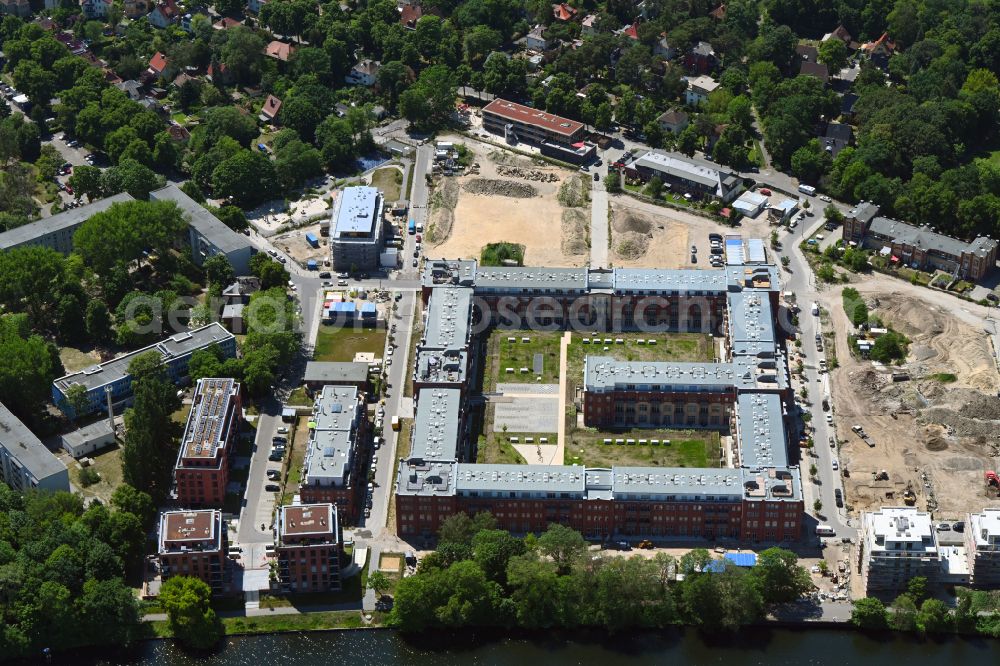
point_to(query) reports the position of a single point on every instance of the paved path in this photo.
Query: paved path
(563, 364)
(599, 226)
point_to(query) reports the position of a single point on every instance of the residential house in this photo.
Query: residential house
(132, 88)
(186, 22)
(807, 52)
(269, 112)
(15, 8)
(841, 33)
(816, 69)
(897, 544)
(201, 472)
(137, 8)
(663, 48)
(47, 24)
(95, 9)
(225, 23)
(241, 290)
(279, 51)
(719, 13)
(835, 137)
(982, 545)
(164, 14)
(699, 88)
(255, 5)
(159, 67)
(409, 14)
(218, 73)
(631, 31)
(181, 79)
(194, 543)
(25, 462)
(535, 40)
(563, 12)
(178, 132)
(588, 27)
(847, 103)
(673, 121)
(364, 73)
(879, 51)
(701, 59)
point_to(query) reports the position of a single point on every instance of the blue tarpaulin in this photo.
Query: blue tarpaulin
(737, 559)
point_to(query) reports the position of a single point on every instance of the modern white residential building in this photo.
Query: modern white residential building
(897, 544)
(982, 546)
(357, 231)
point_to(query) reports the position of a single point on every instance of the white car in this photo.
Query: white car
(829, 418)
(374, 460)
(835, 465)
(825, 198)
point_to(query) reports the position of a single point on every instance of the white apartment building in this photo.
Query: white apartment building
(982, 546)
(897, 544)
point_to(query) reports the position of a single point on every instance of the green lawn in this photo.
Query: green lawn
(351, 592)
(502, 354)
(335, 343)
(297, 445)
(74, 359)
(299, 397)
(390, 181)
(302, 622)
(687, 448)
(108, 464)
(495, 448)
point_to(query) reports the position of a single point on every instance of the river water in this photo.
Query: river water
(770, 647)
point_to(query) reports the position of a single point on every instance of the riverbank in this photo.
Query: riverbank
(282, 623)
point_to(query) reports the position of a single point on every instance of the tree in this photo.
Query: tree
(233, 217)
(149, 448)
(301, 115)
(77, 399)
(86, 180)
(934, 617)
(779, 576)
(904, 614)
(124, 232)
(460, 528)
(563, 545)
(430, 100)
(270, 272)
(917, 589)
(130, 500)
(834, 54)
(97, 321)
(613, 182)
(247, 178)
(191, 617)
(28, 365)
(32, 278)
(654, 187)
(811, 162)
(130, 176)
(378, 581)
(492, 550)
(869, 613)
(219, 272)
(295, 163)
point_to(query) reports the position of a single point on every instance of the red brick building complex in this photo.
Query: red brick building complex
(309, 547)
(338, 451)
(746, 393)
(202, 469)
(193, 543)
(555, 136)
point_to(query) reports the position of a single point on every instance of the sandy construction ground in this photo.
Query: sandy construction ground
(537, 222)
(646, 240)
(935, 437)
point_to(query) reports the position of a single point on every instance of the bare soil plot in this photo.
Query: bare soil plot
(640, 239)
(936, 437)
(501, 204)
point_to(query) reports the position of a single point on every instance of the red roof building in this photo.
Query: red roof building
(532, 122)
(409, 15)
(563, 12)
(719, 13)
(279, 51)
(271, 109)
(631, 31)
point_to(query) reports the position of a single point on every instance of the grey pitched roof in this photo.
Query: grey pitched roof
(28, 449)
(209, 226)
(67, 219)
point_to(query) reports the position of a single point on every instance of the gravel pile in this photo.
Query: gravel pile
(526, 174)
(500, 188)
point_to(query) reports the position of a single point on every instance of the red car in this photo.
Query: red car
(418, 238)
(766, 192)
(69, 188)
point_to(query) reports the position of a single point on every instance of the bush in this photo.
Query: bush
(89, 476)
(889, 347)
(500, 254)
(854, 306)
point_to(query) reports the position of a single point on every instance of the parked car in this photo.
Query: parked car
(944, 527)
(276, 456)
(283, 430)
(415, 263)
(715, 238)
(272, 488)
(597, 177)
(324, 275)
(838, 498)
(273, 474)
(959, 526)
(825, 198)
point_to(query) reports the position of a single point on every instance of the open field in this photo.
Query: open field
(107, 463)
(502, 354)
(295, 245)
(644, 240)
(390, 181)
(492, 206)
(74, 359)
(937, 432)
(496, 447)
(336, 343)
(687, 448)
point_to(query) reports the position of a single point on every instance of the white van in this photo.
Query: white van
(825, 530)
(815, 308)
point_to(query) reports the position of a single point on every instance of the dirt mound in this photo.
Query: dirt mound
(936, 444)
(631, 245)
(575, 232)
(443, 203)
(500, 188)
(572, 192)
(635, 223)
(526, 174)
